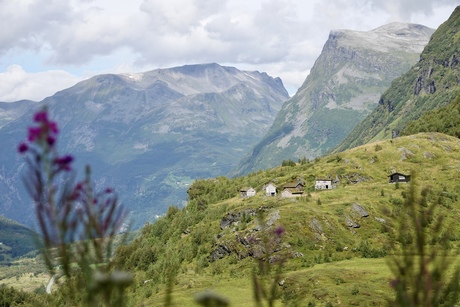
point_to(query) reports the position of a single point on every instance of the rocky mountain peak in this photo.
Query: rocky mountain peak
(344, 85)
(433, 82)
(387, 38)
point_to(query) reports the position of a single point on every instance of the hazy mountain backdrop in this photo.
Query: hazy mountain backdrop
(149, 135)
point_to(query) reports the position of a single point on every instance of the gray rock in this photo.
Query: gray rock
(232, 219)
(360, 209)
(219, 252)
(243, 241)
(350, 223)
(405, 153)
(315, 226)
(297, 255)
(228, 220)
(273, 218)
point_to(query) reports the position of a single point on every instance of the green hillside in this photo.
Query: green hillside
(16, 240)
(334, 253)
(444, 120)
(432, 83)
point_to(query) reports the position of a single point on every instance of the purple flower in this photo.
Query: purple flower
(50, 140)
(41, 117)
(279, 231)
(34, 133)
(23, 147)
(52, 126)
(79, 186)
(64, 162)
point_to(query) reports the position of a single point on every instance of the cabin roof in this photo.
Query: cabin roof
(398, 174)
(323, 179)
(293, 191)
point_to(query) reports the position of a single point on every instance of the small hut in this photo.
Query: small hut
(288, 192)
(323, 184)
(398, 177)
(296, 185)
(247, 192)
(270, 189)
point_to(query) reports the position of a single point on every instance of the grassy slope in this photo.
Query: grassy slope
(16, 239)
(332, 265)
(444, 120)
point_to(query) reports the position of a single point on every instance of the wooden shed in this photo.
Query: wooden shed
(296, 185)
(287, 192)
(247, 192)
(323, 184)
(270, 189)
(398, 177)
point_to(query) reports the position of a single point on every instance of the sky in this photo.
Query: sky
(50, 45)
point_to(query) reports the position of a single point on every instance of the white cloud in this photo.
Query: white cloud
(17, 84)
(281, 37)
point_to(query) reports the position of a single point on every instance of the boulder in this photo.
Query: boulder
(350, 223)
(219, 252)
(360, 209)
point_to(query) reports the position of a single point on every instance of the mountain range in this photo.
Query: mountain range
(151, 134)
(148, 135)
(343, 87)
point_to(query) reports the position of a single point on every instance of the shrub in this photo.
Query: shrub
(421, 272)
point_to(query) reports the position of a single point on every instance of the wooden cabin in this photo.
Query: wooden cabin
(270, 189)
(247, 192)
(323, 184)
(398, 177)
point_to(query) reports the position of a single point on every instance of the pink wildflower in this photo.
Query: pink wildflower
(23, 147)
(34, 133)
(64, 162)
(279, 231)
(41, 117)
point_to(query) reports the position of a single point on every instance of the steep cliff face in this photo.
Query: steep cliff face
(431, 83)
(343, 87)
(149, 135)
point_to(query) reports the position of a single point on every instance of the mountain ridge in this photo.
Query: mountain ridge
(149, 137)
(431, 83)
(342, 88)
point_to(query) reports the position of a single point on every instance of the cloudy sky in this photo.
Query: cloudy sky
(48, 45)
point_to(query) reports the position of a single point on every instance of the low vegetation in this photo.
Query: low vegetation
(444, 120)
(331, 253)
(331, 247)
(15, 240)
